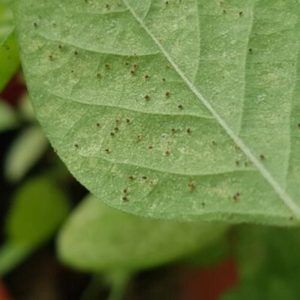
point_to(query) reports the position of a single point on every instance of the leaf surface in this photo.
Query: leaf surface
(98, 238)
(191, 105)
(9, 54)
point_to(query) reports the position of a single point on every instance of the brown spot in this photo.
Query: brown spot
(76, 52)
(147, 97)
(250, 50)
(262, 157)
(76, 146)
(125, 199)
(241, 13)
(146, 76)
(214, 143)
(50, 57)
(144, 177)
(150, 147)
(237, 162)
(164, 79)
(107, 66)
(108, 151)
(98, 75)
(180, 106)
(128, 121)
(174, 130)
(236, 197)
(112, 134)
(131, 177)
(60, 46)
(191, 186)
(116, 129)
(107, 6)
(35, 24)
(189, 130)
(168, 94)
(125, 191)
(168, 152)
(98, 125)
(299, 125)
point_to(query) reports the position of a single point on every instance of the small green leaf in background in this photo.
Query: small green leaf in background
(8, 119)
(25, 151)
(269, 264)
(98, 238)
(37, 210)
(9, 54)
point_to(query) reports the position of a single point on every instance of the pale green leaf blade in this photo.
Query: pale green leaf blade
(8, 118)
(37, 209)
(98, 238)
(25, 151)
(192, 106)
(268, 262)
(9, 54)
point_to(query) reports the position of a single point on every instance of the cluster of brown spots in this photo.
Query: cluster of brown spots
(134, 69)
(236, 197)
(125, 195)
(191, 186)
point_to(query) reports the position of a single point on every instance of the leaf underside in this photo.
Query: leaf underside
(190, 106)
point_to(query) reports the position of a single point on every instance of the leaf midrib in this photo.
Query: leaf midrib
(283, 195)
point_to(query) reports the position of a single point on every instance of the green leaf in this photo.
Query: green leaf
(191, 105)
(101, 239)
(269, 263)
(9, 54)
(26, 150)
(37, 210)
(8, 119)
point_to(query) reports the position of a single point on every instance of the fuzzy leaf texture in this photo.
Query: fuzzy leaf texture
(193, 106)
